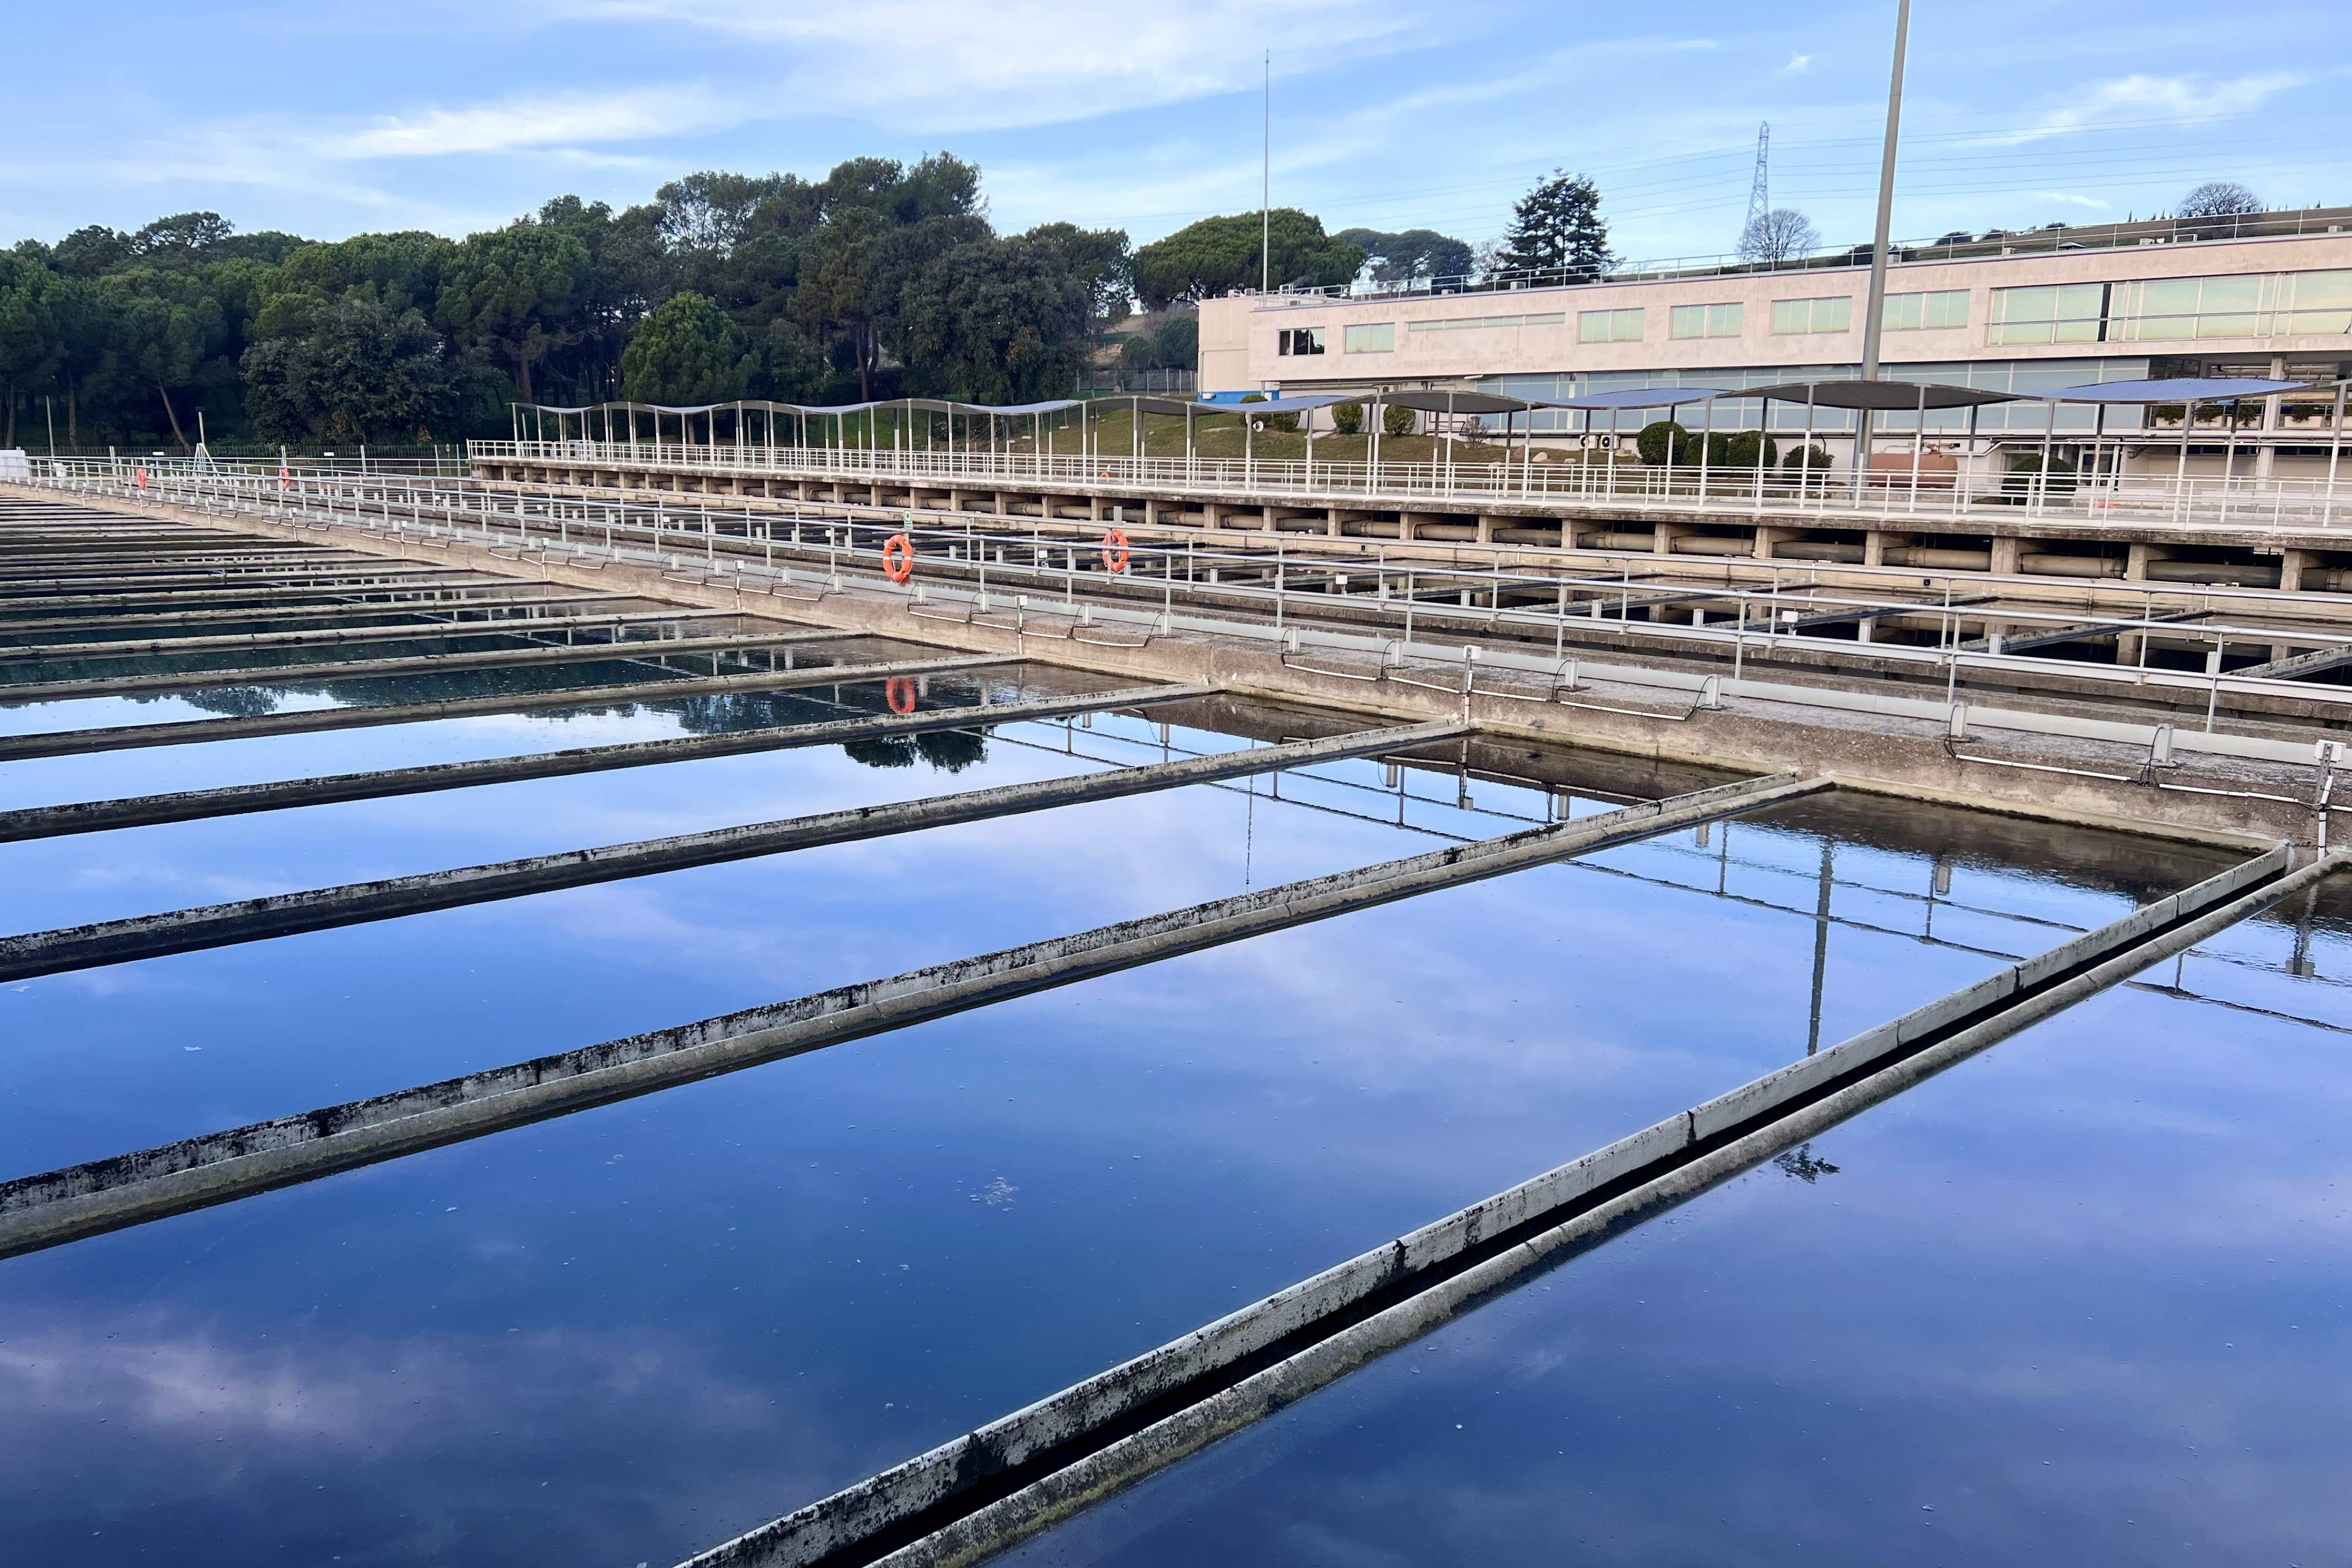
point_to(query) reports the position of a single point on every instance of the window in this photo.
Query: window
(1812, 315)
(1469, 323)
(2250, 305)
(1945, 308)
(1609, 326)
(1299, 341)
(2052, 313)
(1371, 338)
(1706, 321)
(2320, 302)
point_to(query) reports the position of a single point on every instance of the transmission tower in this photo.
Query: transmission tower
(1759, 197)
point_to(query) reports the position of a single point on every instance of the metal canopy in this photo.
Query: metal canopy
(1882, 397)
(1448, 401)
(1298, 404)
(2177, 389)
(1644, 397)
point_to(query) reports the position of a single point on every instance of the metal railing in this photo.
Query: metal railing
(1376, 618)
(1896, 488)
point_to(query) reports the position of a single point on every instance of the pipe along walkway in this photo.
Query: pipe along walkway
(1019, 1475)
(638, 650)
(128, 1189)
(323, 909)
(187, 732)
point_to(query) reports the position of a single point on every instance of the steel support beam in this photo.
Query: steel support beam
(419, 664)
(128, 1189)
(189, 732)
(355, 903)
(234, 800)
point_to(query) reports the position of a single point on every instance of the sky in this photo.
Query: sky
(328, 118)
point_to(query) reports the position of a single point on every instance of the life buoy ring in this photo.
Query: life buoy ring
(899, 692)
(140, 474)
(285, 477)
(1115, 552)
(898, 558)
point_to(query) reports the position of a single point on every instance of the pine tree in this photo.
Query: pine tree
(1557, 225)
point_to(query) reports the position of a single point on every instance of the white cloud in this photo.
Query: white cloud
(2070, 199)
(2141, 99)
(1797, 66)
(934, 66)
(560, 122)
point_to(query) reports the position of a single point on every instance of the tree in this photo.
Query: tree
(31, 345)
(363, 372)
(1558, 227)
(401, 270)
(1414, 255)
(1219, 254)
(688, 351)
(517, 291)
(1781, 235)
(166, 324)
(1175, 345)
(998, 321)
(2219, 198)
(1099, 258)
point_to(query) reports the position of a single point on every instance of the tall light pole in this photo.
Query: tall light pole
(1873, 318)
(1266, 186)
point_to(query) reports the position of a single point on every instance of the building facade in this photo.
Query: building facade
(2275, 306)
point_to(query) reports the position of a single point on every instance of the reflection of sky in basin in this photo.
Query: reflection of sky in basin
(620, 1335)
(2081, 1299)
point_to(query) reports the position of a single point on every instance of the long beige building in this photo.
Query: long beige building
(2050, 313)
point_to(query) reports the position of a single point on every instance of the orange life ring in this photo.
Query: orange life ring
(141, 472)
(899, 692)
(898, 558)
(1115, 552)
(285, 479)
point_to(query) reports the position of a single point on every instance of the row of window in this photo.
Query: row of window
(2252, 305)
(2245, 305)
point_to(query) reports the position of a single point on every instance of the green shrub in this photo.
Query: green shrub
(1661, 441)
(1396, 420)
(1806, 457)
(1348, 419)
(1741, 449)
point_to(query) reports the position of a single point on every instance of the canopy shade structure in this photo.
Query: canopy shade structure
(1298, 404)
(1882, 397)
(1643, 397)
(1447, 402)
(932, 404)
(2177, 389)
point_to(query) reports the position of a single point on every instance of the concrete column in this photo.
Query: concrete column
(1766, 538)
(1874, 547)
(2138, 556)
(1001, 508)
(1661, 539)
(2292, 566)
(1332, 521)
(2006, 548)
(1266, 520)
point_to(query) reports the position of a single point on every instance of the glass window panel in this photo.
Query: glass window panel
(1690, 320)
(1370, 337)
(1904, 313)
(1792, 316)
(1947, 308)
(1723, 320)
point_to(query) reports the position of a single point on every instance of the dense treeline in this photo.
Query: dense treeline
(880, 280)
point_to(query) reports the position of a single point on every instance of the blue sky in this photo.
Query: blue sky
(331, 117)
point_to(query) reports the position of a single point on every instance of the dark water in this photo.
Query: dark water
(625, 1334)
(2082, 1300)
